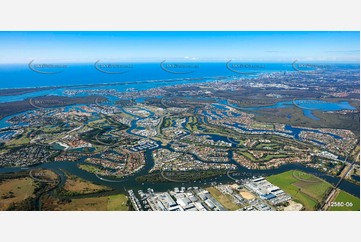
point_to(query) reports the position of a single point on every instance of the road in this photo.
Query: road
(334, 190)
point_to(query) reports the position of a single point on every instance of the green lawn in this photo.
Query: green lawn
(262, 126)
(304, 188)
(270, 157)
(248, 155)
(315, 190)
(271, 145)
(117, 203)
(90, 168)
(346, 198)
(192, 123)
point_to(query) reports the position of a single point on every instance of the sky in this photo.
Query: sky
(21, 47)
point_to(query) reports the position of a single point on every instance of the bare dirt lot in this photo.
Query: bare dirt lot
(293, 206)
(247, 195)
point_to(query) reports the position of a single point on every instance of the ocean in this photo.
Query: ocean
(25, 75)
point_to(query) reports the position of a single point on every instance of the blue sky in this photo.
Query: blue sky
(18, 47)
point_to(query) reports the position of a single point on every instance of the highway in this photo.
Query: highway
(334, 190)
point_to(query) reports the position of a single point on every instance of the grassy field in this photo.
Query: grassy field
(22, 140)
(247, 155)
(44, 174)
(346, 198)
(75, 185)
(272, 145)
(117, 203)
(225, 200)
(106, 203)
(268, 157)
(90, 168)
(15, 190)
(273, 156)
(304, 188)
(167, 122)
(192, 123)
(262, 126)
